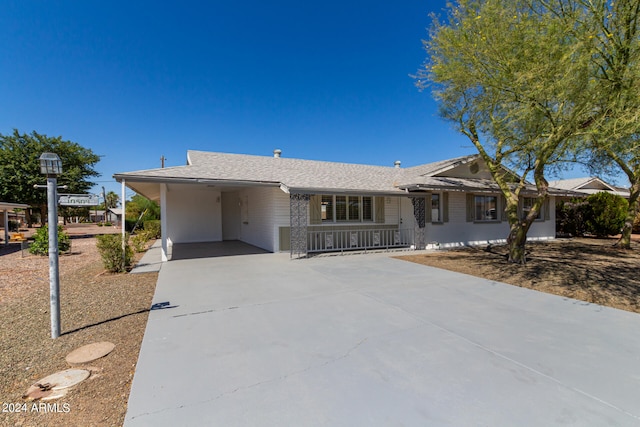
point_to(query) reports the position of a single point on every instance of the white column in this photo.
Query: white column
(163, 221)
(6, 227)
(124, 229)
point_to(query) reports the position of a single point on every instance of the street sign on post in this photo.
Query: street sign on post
(78, 200)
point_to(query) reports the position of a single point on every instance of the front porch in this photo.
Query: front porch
(309, 234)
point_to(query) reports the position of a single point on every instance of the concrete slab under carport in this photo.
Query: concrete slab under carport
(371, 340)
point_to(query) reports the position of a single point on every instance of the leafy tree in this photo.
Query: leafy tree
(67, 212)
(605, 214)
(615, 33)
(112, 200)
(139, 205)
(517, 78)
(20, 167)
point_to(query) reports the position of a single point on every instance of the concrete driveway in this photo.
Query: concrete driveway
(368, 340)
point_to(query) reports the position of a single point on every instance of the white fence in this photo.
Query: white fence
(343, 240)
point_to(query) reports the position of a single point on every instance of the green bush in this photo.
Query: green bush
(139, 241)
(152, 228)
(40, 245)
(605, 214)
(636, 224)
(110, 248)
(570, 217)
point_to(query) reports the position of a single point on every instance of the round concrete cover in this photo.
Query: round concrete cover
(37, 393)
(89, 353)
(65, 379)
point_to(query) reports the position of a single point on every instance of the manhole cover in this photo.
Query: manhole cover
(89, 353)
(56, 385)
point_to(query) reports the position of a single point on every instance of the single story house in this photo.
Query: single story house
(589, 185)
(307, 206)
(112, 215)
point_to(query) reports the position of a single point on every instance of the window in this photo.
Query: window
(486, 208)
(346, 208)
(354, 208)
(435, 208)
(367, 208)
(341, 208)
(326, 208)
(527, 204)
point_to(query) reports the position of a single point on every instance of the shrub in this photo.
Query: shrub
(40, 245)
(636, 224)
(605, 214)
(14, 225)
(152, 228)
(139, 241)
(110, 248)
(570, 217)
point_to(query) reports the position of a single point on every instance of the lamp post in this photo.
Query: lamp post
(51, 166)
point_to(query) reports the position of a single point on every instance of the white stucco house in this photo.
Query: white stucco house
(307, 206)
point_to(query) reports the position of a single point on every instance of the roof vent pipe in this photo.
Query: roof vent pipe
(276, 153)
(397, 164)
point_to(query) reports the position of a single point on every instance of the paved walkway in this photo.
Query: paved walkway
(260, 340)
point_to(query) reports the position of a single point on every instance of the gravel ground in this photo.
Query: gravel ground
(591, 270)
(95, 306)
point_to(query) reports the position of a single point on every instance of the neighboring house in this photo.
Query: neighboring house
(306, 206)
(589, 185)
(112, 215)
(7, 210)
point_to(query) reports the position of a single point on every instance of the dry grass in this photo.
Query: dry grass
(95, 306)
(591, 270)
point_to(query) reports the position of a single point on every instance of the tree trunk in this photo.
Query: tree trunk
(44, 217)
(634, 192)
(27, 217)
(517, 240)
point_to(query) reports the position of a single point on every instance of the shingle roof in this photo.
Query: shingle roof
(588, 185)
(304, 175)
(572, 183)
(295, 174)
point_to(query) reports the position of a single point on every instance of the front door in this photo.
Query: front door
(231, 215)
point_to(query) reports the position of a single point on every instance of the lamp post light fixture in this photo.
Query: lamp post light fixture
(51, 166)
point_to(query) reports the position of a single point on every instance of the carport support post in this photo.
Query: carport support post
(124, 225)
(419, 212)
(298, 217)
(163, 222)
(6, 227)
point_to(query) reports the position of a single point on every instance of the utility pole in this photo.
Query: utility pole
(104, 197)
(162, 159)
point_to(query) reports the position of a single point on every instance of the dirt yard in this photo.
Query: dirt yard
(98, 306)
(95, 306)
(591, 270)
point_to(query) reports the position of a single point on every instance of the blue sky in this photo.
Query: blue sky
(134, 81)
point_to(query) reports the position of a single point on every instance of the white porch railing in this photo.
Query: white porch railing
(346, 240)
